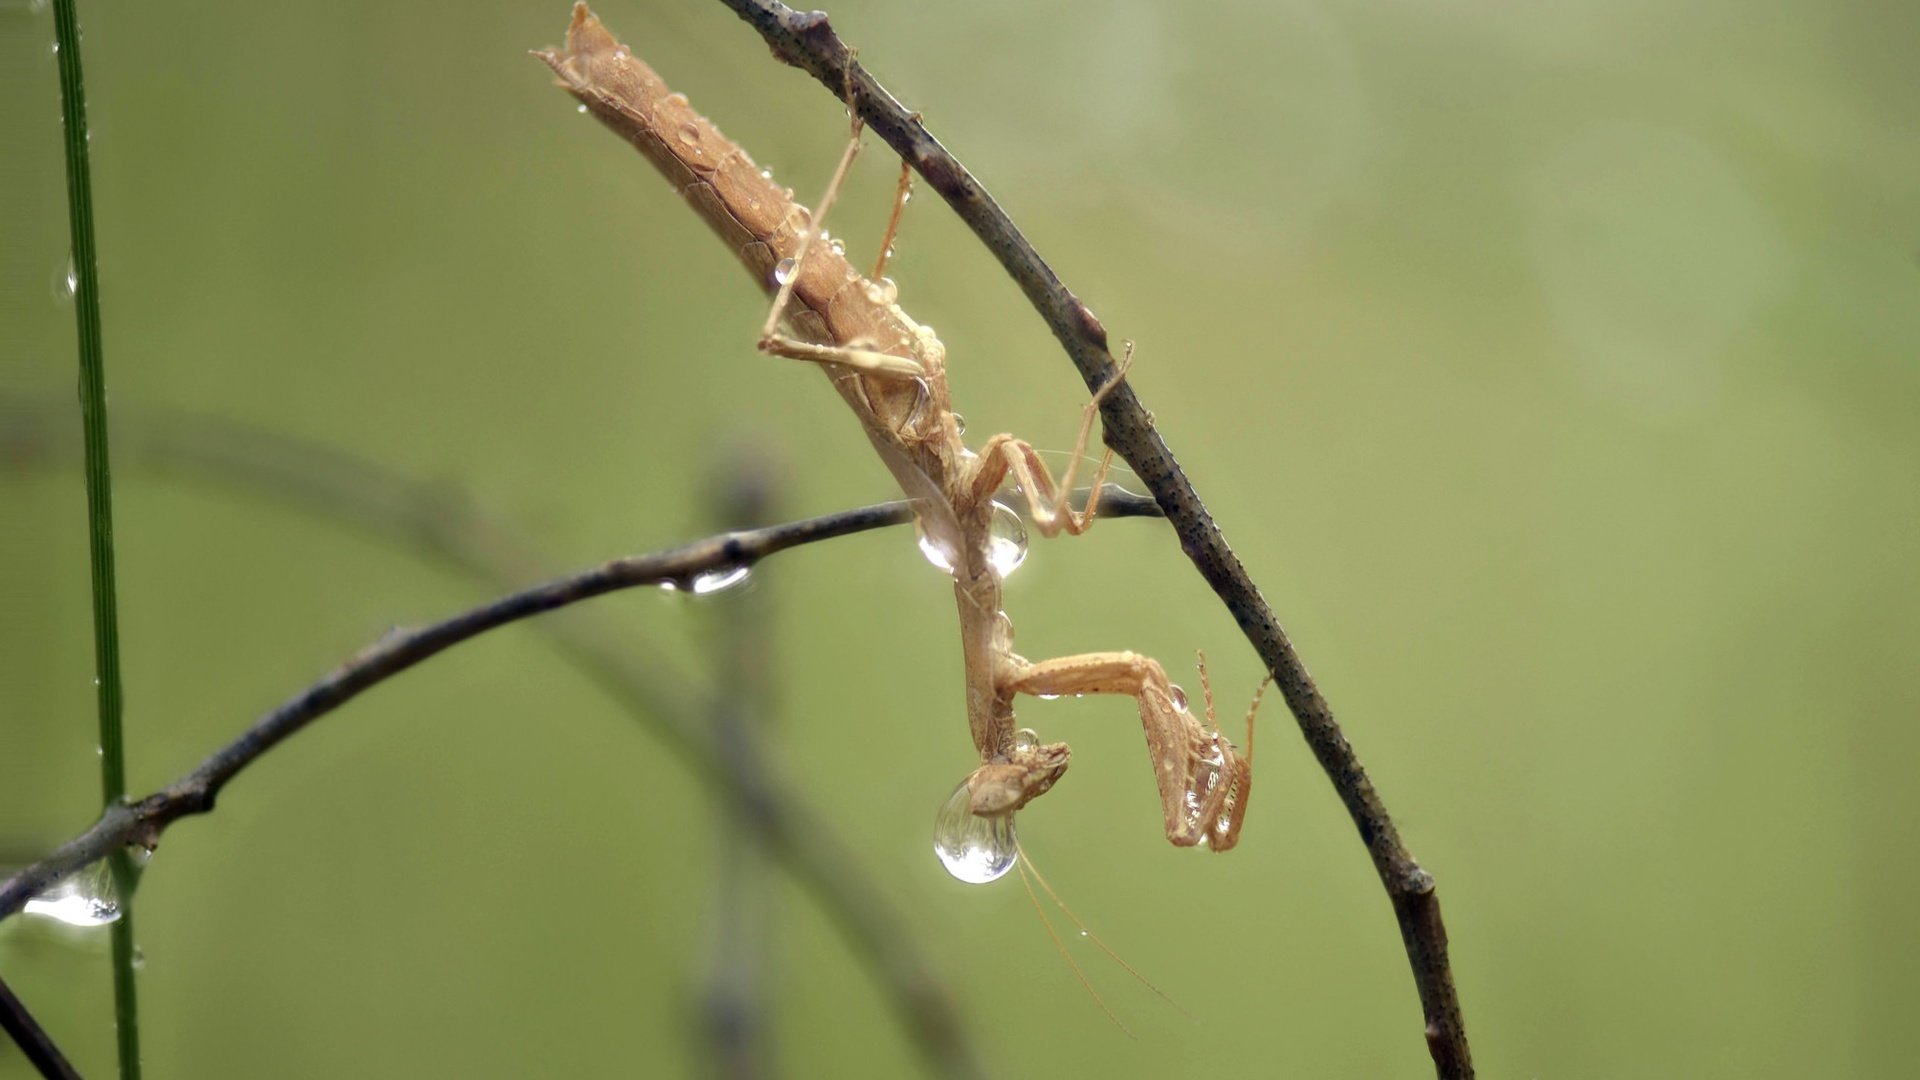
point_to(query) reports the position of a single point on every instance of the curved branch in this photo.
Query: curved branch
(805, 40)
(142, 821)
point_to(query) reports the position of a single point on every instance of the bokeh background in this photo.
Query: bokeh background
(1553, 367)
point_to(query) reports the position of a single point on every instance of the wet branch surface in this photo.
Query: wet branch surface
(806, 41)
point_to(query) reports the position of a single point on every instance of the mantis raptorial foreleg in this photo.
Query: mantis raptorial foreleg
(1203, 779)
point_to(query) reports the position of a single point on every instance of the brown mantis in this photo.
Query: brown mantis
(891, 372)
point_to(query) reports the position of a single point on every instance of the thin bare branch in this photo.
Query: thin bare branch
(33, 1039)
(806, 40)
(142, 821)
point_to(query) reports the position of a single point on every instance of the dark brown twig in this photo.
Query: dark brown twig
(805, 40)
(141, 822)
(33, 1039)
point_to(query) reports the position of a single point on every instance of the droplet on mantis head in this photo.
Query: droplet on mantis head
(959, 423)
(972, 848)
(1026, 739)
(783, 271)
(1179, 697)
(1007, 541)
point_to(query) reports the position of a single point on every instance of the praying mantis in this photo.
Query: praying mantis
(890, 371)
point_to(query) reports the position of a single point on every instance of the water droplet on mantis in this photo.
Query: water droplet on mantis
(783, 271)
(766, 174)
(839, 246)
(883, 291)
(972, 848)
(85, 897)
(938, 551)
(960, 423)
(1007, 541)
(688, 134)
(582, 110)
(1179, 697)
(1026, 739)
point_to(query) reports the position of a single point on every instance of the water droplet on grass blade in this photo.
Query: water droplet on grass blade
(974, 849)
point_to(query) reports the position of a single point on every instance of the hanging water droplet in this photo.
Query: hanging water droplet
(139, 958)
(972, 848)
(766, 174)
(714, 581)
(582, 110)
(1026, 739)
(66, 283)
(959, 423)
(1048, 697)
(85, 897)
(1007, 541)
(1179, 697)
(783, 271)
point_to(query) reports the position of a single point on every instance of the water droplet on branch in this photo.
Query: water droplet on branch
(85, 897)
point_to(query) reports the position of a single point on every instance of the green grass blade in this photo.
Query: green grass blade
(93, 410)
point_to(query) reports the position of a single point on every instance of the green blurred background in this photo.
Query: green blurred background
(1553, 368)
